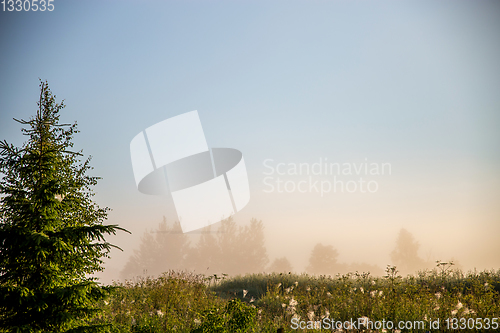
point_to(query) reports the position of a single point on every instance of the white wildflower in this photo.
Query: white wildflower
(197, 321)
(380, 293)
(245, 292)
(296, 283)
(287, 290)
(438, 295)
(283, 305)
(252, 300)
(311, 315)
(459, 305)
(362, 290)
(293, 302)
(454, 312)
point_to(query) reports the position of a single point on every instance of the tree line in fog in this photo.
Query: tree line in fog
(234, 250)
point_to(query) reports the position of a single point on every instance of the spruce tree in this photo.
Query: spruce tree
(51, 231)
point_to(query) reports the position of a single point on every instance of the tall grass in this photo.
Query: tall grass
(184, 302)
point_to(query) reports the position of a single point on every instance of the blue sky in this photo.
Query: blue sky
(413, 83)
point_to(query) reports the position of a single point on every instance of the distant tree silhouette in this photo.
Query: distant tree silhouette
(252, 248)
(323, 260)
(164, 249)
(205, 256)
(405, 254)
(173, 245)
(280, 265)
(231, 249)
(229, 244)
(142, 261)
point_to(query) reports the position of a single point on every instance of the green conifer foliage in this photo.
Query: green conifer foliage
(51, 232)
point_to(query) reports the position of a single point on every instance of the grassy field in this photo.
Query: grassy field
(184, 302)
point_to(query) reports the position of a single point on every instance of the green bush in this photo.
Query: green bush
(236, 316)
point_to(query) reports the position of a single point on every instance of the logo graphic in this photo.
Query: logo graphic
(207, 185)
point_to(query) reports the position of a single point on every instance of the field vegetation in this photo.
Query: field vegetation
(184, 302)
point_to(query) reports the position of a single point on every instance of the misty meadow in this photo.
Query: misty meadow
(438, 300)
(163, 293)
(249, 166)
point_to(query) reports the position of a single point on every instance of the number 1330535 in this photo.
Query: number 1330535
(27, 5)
